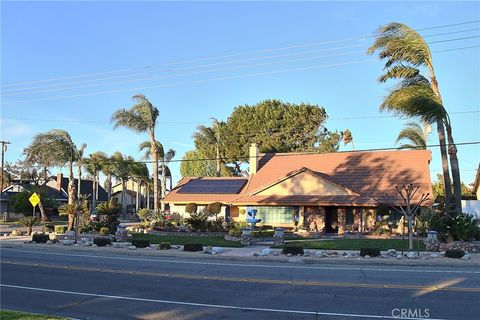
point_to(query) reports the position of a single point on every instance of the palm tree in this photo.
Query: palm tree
(94, 165)
(413, 133)
(211, 136)
(55, 148)
(80, 161)
(139, 173)
(107, 169)
(164, 159)
(141, 117)
(122, 170)
(405, 50)
(348, 138)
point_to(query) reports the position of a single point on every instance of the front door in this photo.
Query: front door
(331, 220)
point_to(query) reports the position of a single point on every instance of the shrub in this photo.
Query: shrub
(192, 247)
(263, 233)
(235, 232)
(29, 222)
(372, 252)
(104, 231)
(48, 227)
(140, 243)
(454, 253)
(102, 241)
(164, 246)
(214, 209)
(235, 228)
(293, 249)
(197, 221)
(146, 214)
(40, 238)
(191, 208)
(60, 229)
(464, 227)
(109, 208)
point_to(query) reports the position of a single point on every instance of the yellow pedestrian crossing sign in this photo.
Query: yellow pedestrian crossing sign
(34, 199)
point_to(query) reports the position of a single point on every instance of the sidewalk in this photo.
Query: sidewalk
(246, 254)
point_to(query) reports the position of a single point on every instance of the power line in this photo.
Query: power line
(68, 85)
(200, 81)
(227, 55)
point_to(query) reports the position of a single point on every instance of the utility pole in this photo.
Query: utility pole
(4, 149)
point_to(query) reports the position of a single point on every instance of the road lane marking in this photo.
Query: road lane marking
(229, 264)
(430, 288)
(207, 305)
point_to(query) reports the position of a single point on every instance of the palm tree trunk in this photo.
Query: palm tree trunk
(457, 183)
(137, 197)
(94, 196)
(79, 180)
(123, 195)
(446, 172)
(148, 195)
(109, 189)
(70, 222)
(171, 186)
(164, 184)
(71, 188)
(154, 152)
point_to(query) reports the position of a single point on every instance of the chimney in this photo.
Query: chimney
(59, 181)
(253, 159)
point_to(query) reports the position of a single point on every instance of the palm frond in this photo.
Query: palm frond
(413, 132)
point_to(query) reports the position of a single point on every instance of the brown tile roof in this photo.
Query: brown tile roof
(371, 175)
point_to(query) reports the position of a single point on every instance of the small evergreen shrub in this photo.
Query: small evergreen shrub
(40, 238)
(60, 229)
(263, 233)
(372, 252)
(454, 253)
(104, 231)
(102, 241)
(192, 247)
(140, 243)
(293, 249)
(164, 246)
(48, 227)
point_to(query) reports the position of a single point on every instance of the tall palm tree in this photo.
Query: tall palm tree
(413, 133)
(139, 173)
(55, 148)
(164, 159)
(122, 170)
(405, 50)
(107, 169)
(80, 162)
(141, 117)
(94, 165)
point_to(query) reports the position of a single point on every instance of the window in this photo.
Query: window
(349, 217)
(276, 215)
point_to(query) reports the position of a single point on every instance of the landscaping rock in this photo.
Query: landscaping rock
(333, 253)
(411, 255)
(399, 256)
(256, 254)
(121, 244)
(289, 254)
(466, 257)
(434, 255)
(366, 256)
(216, 250)
(67, 242)
(348, 255)
(87, 244)
(132, 247)
(296, 260)
(320, 254)
(16, 233)
(267, 251)
(49, 242)
(70, 233)
(392, 252)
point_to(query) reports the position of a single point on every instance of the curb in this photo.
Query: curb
(276, 259)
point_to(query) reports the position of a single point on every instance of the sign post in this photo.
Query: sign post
(34, 200)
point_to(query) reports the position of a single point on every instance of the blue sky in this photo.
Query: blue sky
(191, 57)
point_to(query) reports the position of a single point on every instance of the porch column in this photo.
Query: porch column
(301, 216)
(356, 219)
(341, 220)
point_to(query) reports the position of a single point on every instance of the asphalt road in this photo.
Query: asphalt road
(127, 287)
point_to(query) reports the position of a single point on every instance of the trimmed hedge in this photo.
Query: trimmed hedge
(293, 249)
(140, 243)
(263, 233)
(164, 246)
(454, 253)
(60, 229)
(102, 241)
(40, 238)
(192, 247)
(372, 252)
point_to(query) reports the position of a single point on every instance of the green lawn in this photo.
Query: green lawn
(357, 244)
(15, 315)
(180, 240)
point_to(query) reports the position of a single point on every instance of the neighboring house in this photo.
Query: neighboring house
(19, 186)
(476, 184)
(60, 183)
(472, 207)
(132, 188)
(130, 198)
(331, 192)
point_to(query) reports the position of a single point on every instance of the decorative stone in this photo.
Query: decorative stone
(411, 255)
(392, 252)
(94, 245)
(67, 242)
(49, 242)
(434, 255)
(320, 254)
(255, 254)
(289, 254)
(466, 257)
(267, 251)
(132, 247)
(399, 256)
(16, 233)
(121, 244)
(296, 260)
(366, 256)
(217, 250)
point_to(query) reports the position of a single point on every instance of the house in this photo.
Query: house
(331, 192)
(132, 188)
(472, 206)
(19, 186)
(60, 183)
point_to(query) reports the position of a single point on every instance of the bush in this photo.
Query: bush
(372, 252)
(454, 253)
(191, 208)
(40, 238)
(213, 209)
(235, 232)
(192, 247)
(464, 227)
(140, 243)
(102, 241)
(146, 214)
(104, 231)
(60, 229)
(293, 249)
(48, 227)
(263, 233)
(29, 222)
(197, 221)
(164, 246)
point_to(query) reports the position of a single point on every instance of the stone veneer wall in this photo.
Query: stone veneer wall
(315, 219)
(341, 220)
